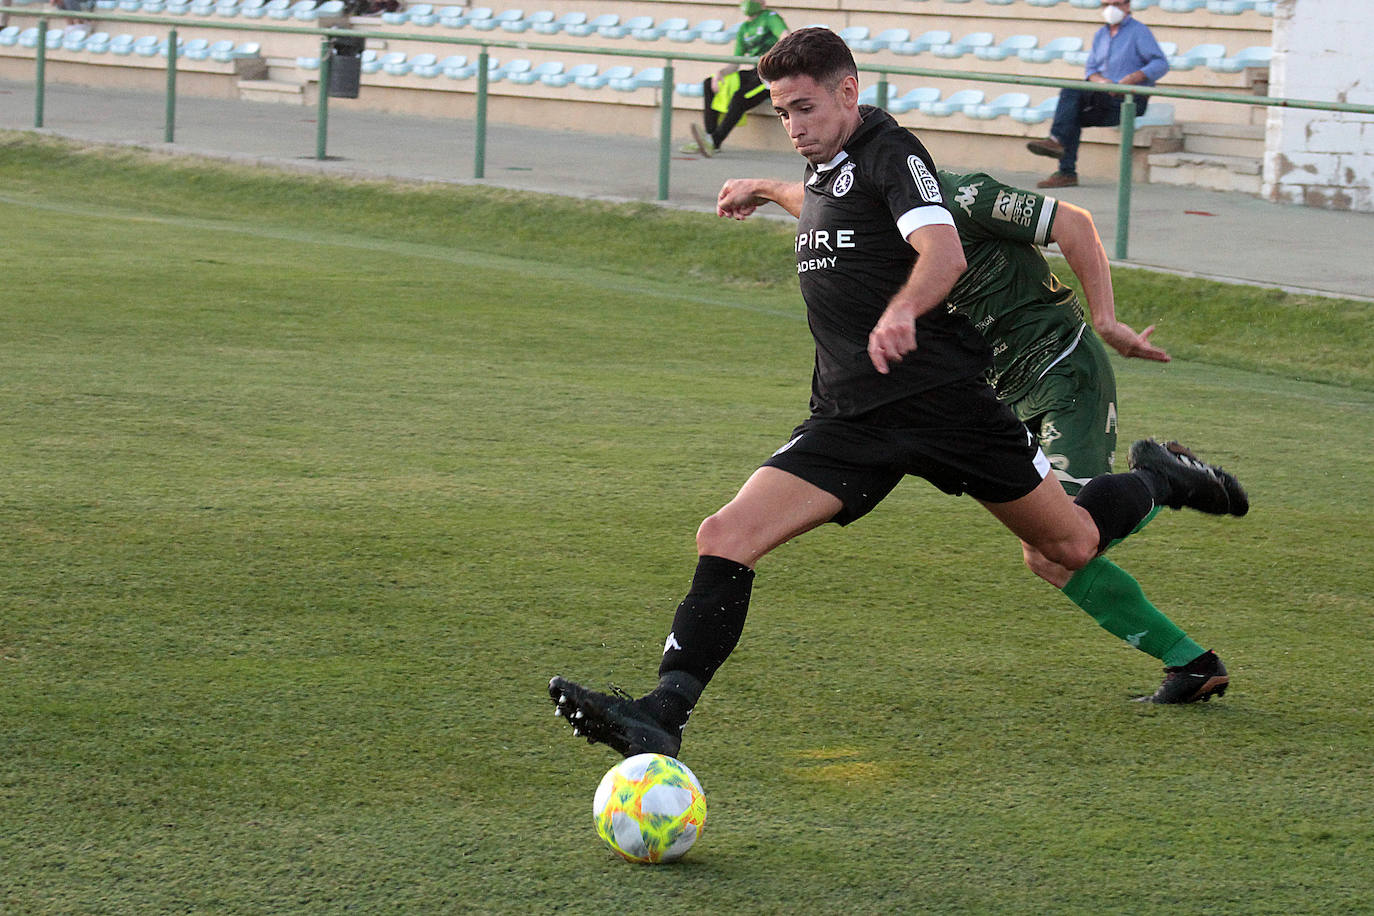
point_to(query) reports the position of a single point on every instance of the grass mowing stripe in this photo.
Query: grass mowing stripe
(591, 275)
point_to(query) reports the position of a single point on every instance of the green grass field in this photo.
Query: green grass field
(307, 487)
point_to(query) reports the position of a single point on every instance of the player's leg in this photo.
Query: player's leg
(751, 94)
(771, 508)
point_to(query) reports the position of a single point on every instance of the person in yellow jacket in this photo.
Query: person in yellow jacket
(736, 90)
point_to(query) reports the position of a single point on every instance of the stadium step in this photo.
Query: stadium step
(1218, 157)
(270, 90)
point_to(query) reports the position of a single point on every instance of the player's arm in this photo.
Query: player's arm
(939, 264)
(1081, 246)
(740, 197)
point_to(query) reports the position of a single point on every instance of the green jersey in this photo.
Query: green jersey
(1029, 318)
(757, 35)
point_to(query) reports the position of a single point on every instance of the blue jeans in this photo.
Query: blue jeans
(1079, 108)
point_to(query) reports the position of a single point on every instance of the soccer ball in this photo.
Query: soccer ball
(649, 808)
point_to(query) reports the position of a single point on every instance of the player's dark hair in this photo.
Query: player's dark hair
(815, 52)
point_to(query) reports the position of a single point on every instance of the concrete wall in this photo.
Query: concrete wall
(1321, 158)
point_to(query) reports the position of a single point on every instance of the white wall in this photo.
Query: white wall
(1322, 52)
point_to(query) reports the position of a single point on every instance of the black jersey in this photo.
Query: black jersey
(853, 256)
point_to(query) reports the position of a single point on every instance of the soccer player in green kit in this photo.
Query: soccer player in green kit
(1054, 373)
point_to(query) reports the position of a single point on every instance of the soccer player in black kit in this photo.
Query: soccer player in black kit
(898, 388)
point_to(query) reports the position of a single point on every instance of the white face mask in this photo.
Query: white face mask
(1113, 15)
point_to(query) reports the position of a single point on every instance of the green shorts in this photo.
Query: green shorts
(1071, 410)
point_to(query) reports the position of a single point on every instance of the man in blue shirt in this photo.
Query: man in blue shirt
(1124, 51)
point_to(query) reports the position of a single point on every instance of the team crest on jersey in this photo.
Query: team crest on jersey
(930, 188)
(844, 181)
(1013, 207)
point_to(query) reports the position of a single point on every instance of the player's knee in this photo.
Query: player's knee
(1051, 572)
(715, 537)
(1071, 555)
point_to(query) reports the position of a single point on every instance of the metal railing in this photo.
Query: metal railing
(666, 87)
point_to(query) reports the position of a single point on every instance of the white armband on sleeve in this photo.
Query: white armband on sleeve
(920, 217)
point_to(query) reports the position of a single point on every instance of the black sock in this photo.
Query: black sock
(706, 629)
(1117, 503)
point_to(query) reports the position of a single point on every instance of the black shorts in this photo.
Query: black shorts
(959, 437)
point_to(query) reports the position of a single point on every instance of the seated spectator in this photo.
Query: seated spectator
(1124, 51)
(737, 90)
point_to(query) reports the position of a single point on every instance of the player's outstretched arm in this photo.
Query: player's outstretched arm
(1081, 246)
(740, 197)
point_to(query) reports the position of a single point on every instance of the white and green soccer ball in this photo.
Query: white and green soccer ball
(649, 808)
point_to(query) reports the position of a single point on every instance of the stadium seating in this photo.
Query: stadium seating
(1257, 56)
(956, 102)
(593, 25)
(497, 21)
(647, 78)
(601, 79)
(912, 99)
(520, 65)
(542, 17)
(882, 41)
(1004, 104)
(623, 29)
(562, 22)
(568, 76)
(1052, 50)
(966, 45)
(693, 33)
(1007, 47)
(921, 43)
(537, 73)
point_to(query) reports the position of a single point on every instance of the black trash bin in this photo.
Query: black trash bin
(345, 67)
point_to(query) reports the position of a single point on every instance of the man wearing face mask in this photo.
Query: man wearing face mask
(762, 28)
(1124, 51)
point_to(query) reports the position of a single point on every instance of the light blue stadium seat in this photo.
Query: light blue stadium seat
(623, 29)
(922, 43)
(1157, 114)
(146, 46)
(1198, 56)
(122, 44)
(370, 61)
(1086, 4)
(72, 38)
(497, 74)
(178, 7)
(956, 102)
(202, 7)
(660, 28)
(1044, 2)
(495, 22)
(394, 63)
(690, 90)
(561, 23)
(913, 98)
(465, 17)
(869, 94)
(568, 76)
(252, 9)
(536, 73)
(98, 43)
(1181, 6)
(1257, 56)
(1053, 49)
(9, 35)
(275, 6)
(197, 49)
(103, 6)
(425, 65)
(647, 78)
(724, 37)
(28, 38)
(241, 51)
(998, 107)
(329, 9)
(470, 70)
(600, 80)
(884, 39)
(853, 33)
(307, 63)
(453, 65)
(540, 17)
(1008, 47)
(227, 9)
(694, 32)
(1035, 114)
(966, 45)
(595, 24)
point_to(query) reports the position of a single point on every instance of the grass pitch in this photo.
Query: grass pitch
(307, 488)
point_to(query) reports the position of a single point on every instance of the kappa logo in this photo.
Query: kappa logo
(968, 194)
(1014, 207)
(1135, 638)
(671, 643)
(844, 181)
(929, 187)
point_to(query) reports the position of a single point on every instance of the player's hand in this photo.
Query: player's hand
(1136, 346)
(892, 339)
(737, 199)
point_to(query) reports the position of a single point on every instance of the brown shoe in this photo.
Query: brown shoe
(1047, 147)
(1059, 180)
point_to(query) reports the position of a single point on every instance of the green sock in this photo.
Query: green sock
(1113, 598)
